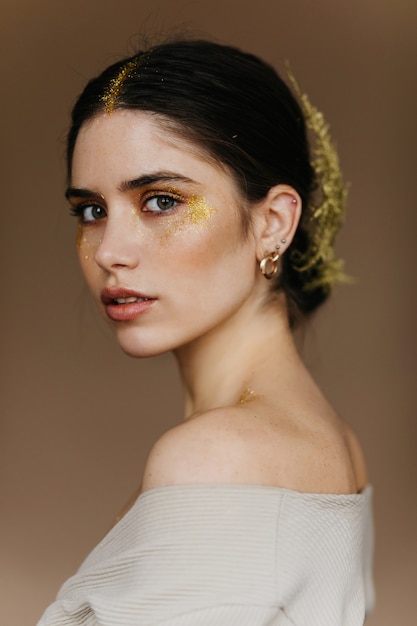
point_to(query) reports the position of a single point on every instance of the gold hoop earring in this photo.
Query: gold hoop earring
(269, 265)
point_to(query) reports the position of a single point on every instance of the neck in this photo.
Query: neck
(242, 354)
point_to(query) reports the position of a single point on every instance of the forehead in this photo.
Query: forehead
(128, 140)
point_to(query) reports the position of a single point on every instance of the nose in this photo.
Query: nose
(119, 246)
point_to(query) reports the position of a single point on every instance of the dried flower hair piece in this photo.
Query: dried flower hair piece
(325, 216)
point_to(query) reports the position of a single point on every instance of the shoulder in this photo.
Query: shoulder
(231, 445)
(212, 447)
(357, 459)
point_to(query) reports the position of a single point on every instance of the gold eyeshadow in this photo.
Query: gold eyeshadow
(197, 213)
(193, 212)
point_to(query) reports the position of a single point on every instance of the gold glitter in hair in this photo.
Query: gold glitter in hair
(115, 87)
(325, 216)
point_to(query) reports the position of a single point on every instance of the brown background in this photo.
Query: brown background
(77, 415)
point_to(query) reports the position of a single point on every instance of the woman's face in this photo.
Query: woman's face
(160, 238)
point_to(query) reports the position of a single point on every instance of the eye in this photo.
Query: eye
(89, 213)
(160, 203)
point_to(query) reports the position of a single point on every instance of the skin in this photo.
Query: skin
(212, 307)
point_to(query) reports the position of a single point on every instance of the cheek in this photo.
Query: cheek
(199, 214)
(88, 242)
(191, 222)
(210, 245)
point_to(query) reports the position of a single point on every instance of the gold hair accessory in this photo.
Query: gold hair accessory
(325, 216)
(115, 87)
(269, 264)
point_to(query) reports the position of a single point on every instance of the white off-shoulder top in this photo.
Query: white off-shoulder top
(227, 555)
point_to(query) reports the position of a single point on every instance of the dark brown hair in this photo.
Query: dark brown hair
(238, 109)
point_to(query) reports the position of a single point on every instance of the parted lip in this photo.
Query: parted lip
(110, 294)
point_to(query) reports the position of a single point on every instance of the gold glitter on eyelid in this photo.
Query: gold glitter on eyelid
(197, 213)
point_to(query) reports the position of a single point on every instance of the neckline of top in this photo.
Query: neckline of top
(246, 487)
(171, 490)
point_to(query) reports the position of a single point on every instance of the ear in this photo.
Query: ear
(277, 217)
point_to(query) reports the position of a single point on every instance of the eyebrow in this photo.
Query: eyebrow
(135, 183)
(74, 192)
(154, 177)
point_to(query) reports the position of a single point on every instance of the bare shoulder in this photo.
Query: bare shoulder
(210, 448)
(357, 459)
(247, 446)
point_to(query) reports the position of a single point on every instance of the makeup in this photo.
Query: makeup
(198, 211)
(248, 395)
(115, 87)
(79, 240)
(124, 305)
(86, 245)
(196, 215)
(82, 242)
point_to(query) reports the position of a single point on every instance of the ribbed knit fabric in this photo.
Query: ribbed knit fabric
(227, 555)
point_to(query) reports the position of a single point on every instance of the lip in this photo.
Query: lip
(124, 312)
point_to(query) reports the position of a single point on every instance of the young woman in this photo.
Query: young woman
(205, 229)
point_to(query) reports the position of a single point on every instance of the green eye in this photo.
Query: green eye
(92, 213)
(88, 213)
(160, 203)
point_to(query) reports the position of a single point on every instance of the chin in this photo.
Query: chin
(141, 353)
(141, 346)
(139, 350)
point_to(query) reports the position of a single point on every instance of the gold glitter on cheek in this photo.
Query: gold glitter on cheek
(86, 245)
(196, 214)
(143, 230)
(79, 235)
(198, 211)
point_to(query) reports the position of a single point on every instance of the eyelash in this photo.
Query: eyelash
(79, 210)
(177, 199)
